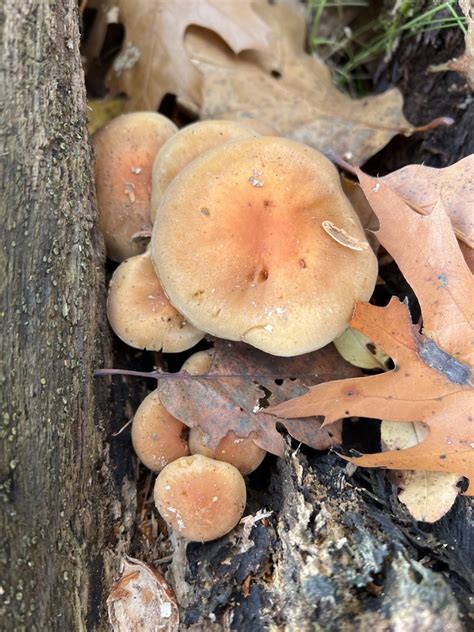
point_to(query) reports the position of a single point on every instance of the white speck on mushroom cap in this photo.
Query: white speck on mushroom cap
(165, 610)
(207, 497)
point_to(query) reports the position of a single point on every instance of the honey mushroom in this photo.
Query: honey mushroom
(140, 313)
(199, 498)
(189, 143)
(256, 241)
(158, 438)
(125, 149)
(241, 452)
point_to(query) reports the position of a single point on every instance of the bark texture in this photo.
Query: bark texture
(56, 487)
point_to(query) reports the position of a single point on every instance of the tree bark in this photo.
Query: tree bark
(57, 490)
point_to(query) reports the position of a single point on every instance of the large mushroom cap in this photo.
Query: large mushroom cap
(189, 143)
(242, 247)
(201, 499)
(125, 150)
(140, 313)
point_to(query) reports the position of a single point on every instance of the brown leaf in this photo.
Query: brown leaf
(419, 388)
(453, 186)
(152, 61)
(432, 379)
(427, 495)
(296, 96)
(243, 379)
(429, 257)
(142, 600)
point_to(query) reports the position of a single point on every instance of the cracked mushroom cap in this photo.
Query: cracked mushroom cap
(185, 146)
(199, 498)
(140, 313)
(158, 438)
(125, 149)
(256, 241)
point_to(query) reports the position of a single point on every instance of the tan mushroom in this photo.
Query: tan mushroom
(241, 452)
(125, 150)
(199, 498)
(189, 143)
(158, 438)
(140, 313)
(256, 241)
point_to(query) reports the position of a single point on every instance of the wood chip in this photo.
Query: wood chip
(343, 238)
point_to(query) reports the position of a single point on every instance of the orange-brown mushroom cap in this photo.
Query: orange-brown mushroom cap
(140, 313)
(200, 499)
(189, 143)
(158, 438)
(242, 248)
(125, 150)
(241, 452)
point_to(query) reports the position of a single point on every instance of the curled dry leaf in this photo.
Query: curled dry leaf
(241, 382)
(360, 351)
(152, 61)
(417, 488)
(296, 95)
(432, 378)
(427, 495)
(343, 238)
(142, 600)
(454, 186)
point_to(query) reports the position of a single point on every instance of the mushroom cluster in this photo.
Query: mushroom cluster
(220, 228)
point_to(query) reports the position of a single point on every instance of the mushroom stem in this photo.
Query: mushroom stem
(178, 567)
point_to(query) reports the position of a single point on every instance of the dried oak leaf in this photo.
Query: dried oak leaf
(297, 96)
(432, 379)
(427, 495)
(152, 61)
(142, 600)
(455, 185)
(240, 382)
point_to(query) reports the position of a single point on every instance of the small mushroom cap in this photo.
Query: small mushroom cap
(199, 363)
(189, 143)
(241, 452)
(242, 251)
(199, 498)
(140, 313)
(158, 438)
(125, 150)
